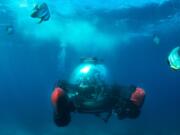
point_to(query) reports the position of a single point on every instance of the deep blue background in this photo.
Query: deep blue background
(28, 74)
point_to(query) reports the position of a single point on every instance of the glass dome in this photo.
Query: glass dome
(89, 73)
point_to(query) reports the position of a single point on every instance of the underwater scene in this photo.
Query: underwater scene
(89, 67)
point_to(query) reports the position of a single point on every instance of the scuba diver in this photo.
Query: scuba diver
(88, 91)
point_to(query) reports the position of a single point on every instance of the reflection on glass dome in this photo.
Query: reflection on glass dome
(90, 72)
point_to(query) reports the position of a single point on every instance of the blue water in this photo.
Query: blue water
(34, 56)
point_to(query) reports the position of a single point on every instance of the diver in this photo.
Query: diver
(88, 92)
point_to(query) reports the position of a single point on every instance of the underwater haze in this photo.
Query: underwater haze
(134, 39)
